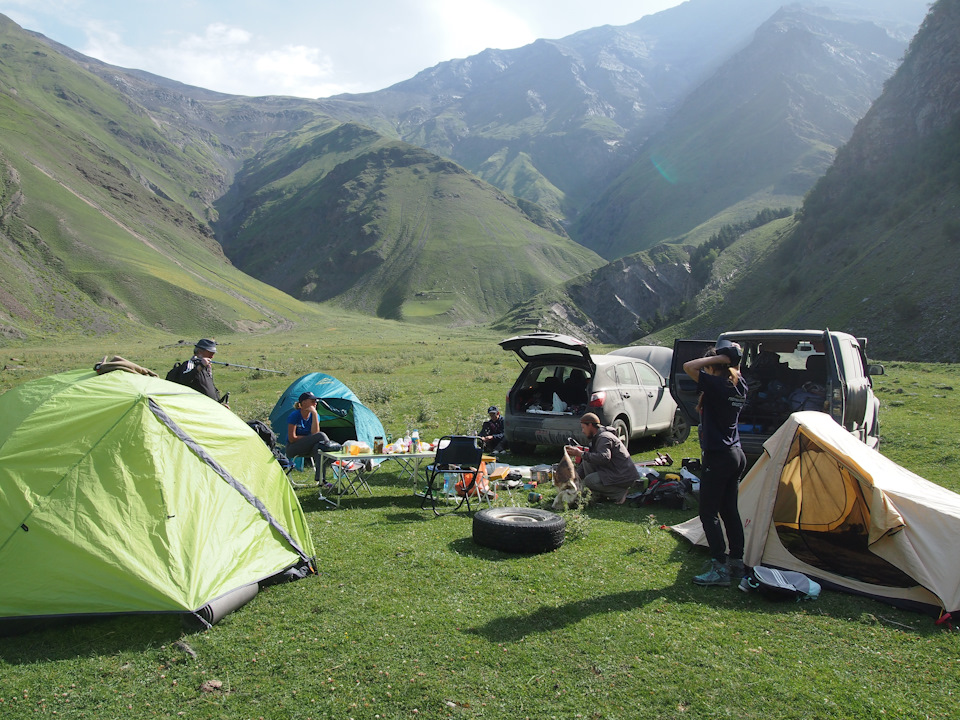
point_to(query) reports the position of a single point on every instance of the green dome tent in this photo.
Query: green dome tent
(342, 416)
(123, 493)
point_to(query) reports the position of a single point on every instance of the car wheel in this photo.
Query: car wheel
(622, 430)
(519, 530)
(679, 429)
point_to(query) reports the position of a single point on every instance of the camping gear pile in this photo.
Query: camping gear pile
(821, 503)
(152, 498)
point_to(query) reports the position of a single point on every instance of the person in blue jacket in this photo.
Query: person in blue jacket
(303, 430)
(723, 394)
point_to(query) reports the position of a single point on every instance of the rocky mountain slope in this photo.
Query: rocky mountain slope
(758, 134)
(875, 249)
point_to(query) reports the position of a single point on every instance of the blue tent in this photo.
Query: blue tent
(342, 416)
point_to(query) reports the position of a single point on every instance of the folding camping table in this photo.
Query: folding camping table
(353, 479)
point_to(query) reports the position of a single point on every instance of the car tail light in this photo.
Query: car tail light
(597, 398)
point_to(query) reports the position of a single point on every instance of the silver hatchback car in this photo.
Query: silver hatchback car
(561, 381)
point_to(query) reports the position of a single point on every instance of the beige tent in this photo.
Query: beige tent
(821, 502)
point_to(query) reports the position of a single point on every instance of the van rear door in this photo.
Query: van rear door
(682, 386)
(837, 392)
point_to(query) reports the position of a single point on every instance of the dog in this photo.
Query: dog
(567, 484)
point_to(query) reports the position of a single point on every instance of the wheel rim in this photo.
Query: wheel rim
(519, 517)
(621, 429)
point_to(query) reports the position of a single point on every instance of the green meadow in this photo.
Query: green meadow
(408, 618)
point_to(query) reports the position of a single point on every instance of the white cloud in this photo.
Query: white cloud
(468, 28)
(224, 58)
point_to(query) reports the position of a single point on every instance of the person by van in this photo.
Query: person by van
(723, 394)
(605, 466)
(491, 432)
(303, 431)
(197, 372)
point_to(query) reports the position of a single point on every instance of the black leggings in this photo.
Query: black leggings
(719, 486)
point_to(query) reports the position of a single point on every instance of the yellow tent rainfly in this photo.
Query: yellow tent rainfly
(820, 502)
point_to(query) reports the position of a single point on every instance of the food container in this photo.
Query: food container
(541, 473)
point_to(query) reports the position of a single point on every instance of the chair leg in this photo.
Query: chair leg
(430, 494)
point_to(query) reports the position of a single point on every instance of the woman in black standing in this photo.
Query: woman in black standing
(723, 393)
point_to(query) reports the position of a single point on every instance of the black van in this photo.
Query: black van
(787, 371)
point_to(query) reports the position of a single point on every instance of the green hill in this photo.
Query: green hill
(337, 212)
(95, 233)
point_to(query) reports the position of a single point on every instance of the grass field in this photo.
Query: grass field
(409, 618)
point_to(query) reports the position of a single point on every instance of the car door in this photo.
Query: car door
(660, 405)
(682, 386)
(633, 397)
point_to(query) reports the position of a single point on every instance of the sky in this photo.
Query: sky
(307, 48)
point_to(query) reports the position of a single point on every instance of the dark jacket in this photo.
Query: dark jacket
(608, 457)
(493, 428)
(195, 374)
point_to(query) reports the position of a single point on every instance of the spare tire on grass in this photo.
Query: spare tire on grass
(518, 529)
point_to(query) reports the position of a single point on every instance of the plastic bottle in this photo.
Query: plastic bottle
(415, 441)
(448, 483)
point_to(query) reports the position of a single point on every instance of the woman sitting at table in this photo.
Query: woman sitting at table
(303, 431)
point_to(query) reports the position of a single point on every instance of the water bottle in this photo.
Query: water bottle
(415, 441)
(448, 483)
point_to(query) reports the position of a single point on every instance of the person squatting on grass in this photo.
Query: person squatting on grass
(303, 431)
(606, 466)
(723, 393)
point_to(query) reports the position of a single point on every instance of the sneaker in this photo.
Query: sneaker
(715, 573)
(736, 569)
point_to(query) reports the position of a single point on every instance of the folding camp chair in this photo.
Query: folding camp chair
(349, 475)
(456, 455)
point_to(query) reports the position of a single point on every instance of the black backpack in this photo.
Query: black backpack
(667, 489)
(270, 440)
(173, 374)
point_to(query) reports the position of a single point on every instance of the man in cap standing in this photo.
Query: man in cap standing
(197, 372)
(605, 466)
(492, 431)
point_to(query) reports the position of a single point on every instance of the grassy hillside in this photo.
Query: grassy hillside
(759, 134)
(340, 213)
(91, 231)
